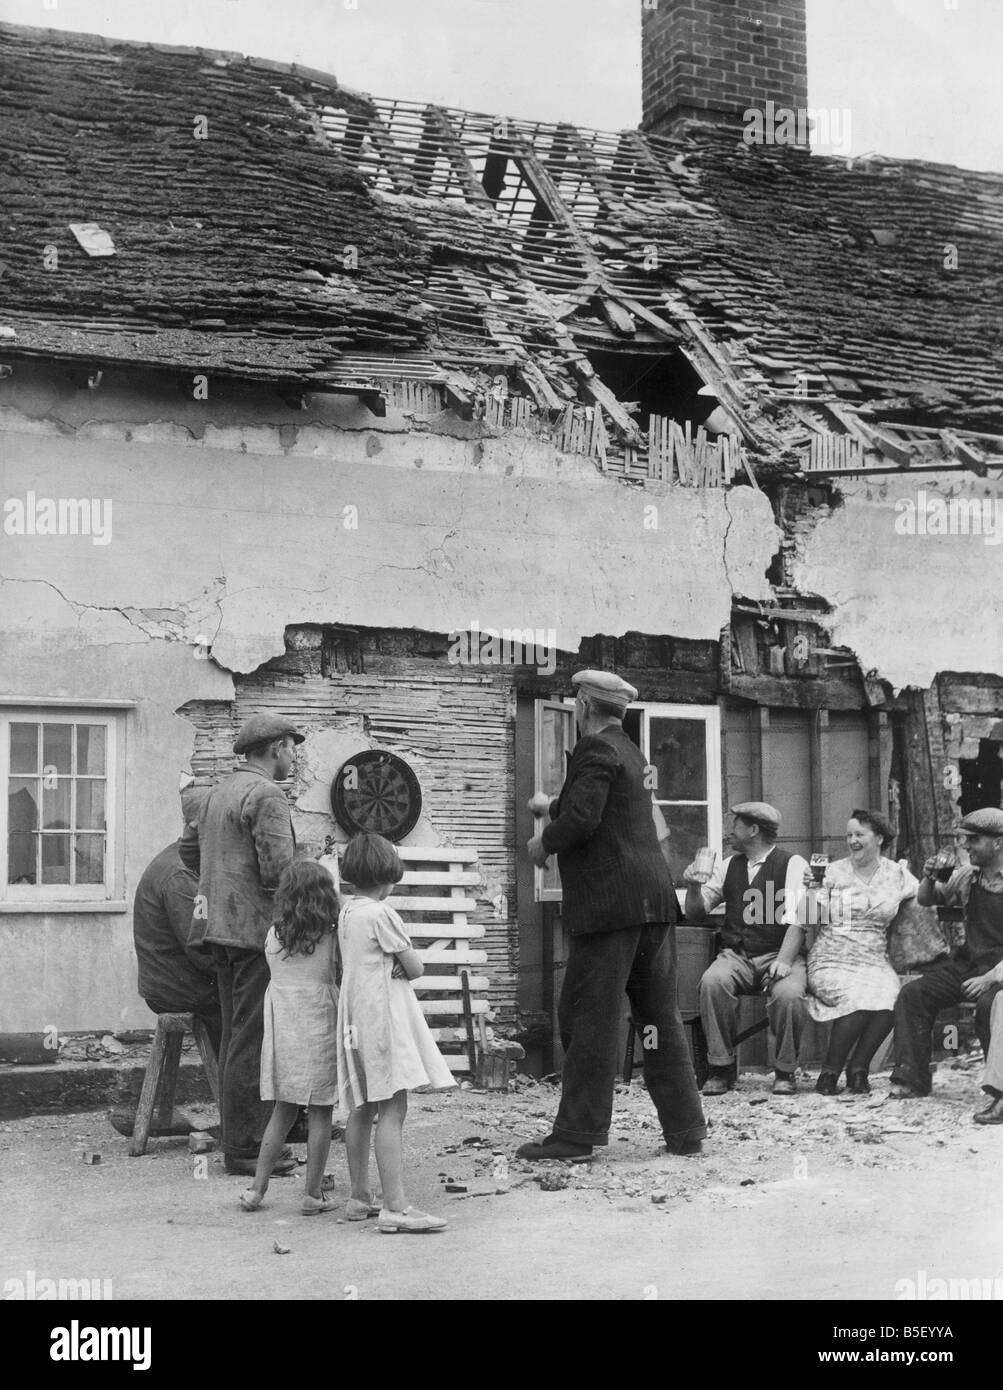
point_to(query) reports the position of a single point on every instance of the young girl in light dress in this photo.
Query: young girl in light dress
(299, 1054)
(385, 1048)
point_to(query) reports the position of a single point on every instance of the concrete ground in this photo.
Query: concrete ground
(801, 1198)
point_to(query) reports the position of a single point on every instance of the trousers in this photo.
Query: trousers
(242, 978)
(731, 975)
(916, 1009)
(993, 1079)
(641, 963)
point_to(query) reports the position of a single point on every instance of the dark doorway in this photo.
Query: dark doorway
(982, 777)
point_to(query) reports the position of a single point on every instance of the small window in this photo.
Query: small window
(555, 738)
(57, 819)
(682, 744)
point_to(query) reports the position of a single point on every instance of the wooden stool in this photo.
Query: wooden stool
(161, 1078)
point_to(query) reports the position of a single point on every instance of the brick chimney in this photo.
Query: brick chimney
(711, 60)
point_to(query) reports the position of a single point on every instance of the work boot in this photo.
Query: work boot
(181, 1125)
(284, 1165)
(719, 1081)
(554, 1148)
(784, 1084)
(992, 1114)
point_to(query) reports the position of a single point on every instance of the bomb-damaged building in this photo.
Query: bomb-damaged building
(387, 417)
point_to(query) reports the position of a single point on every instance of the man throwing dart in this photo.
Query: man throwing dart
(620, 908)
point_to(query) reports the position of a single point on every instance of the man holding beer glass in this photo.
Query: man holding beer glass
(762, 940)
(973, 971)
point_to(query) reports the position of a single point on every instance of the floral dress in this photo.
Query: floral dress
(848, 966)
(299, 1058)
(384, 1043)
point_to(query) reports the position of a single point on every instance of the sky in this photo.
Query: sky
(919, 78)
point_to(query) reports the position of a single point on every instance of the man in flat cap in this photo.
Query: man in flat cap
(620, 909)
(246, 841)
(174, 976)
(973, 971)
(762, 944)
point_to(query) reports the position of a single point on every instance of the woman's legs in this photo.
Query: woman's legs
(358, 1141)
(877, 1026)
(281, 1122)
(389, 1151)
(842, 1039)
(318, 1146)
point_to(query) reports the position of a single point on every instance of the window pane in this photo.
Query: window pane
(688, 827)
(24, 748)
(90, 805)
(55, 858)
(90, 858)
(91, 750)
(22, 812)
(56, 805)
(557, 732)
(679, 753)
(56, 743)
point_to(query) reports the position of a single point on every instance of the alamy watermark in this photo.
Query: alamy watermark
(930, 515)
(490, 646)
(36, 1288)
(32, 515)
(787, 125)
(924, 1288)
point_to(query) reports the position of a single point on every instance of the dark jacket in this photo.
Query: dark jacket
(170, 972)
(613, 874)
(246, 841)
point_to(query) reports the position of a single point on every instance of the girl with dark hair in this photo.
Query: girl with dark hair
(851, 981)
(299, 1051)
(385, 1047)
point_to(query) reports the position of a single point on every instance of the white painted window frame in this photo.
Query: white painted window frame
(710, 715)
(68, 897)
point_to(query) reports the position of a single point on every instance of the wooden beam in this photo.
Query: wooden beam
(569, 141)
(547, 194)
(633, 150)
(439, 128)
(368, 122)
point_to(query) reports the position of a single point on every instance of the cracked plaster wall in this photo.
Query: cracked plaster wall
(234, 529)
(909, 606)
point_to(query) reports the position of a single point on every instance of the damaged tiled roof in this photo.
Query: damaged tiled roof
(318, 237)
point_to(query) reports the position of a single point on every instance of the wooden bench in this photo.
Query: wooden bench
(161, 1079)
(435, 900)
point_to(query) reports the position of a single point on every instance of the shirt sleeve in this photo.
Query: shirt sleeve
(794, 890)
(267, 817)
(712, 891)
(389, 931)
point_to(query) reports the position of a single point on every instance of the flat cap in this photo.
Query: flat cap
(987, 821)
(604, 685)
(262, 728)
(192, 800)
(760, 811)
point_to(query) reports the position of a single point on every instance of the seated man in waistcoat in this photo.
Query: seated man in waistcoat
(973, 972)
(762, 944)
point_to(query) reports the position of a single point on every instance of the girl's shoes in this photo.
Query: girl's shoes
(857, 1083)
(251, 1200)
(827, 1083)
(410, 1219)
(316, 1206)
(357, 1210)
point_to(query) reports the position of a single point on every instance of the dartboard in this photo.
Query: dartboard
(376, 792)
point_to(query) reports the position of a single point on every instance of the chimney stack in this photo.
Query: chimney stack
(711, 60)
